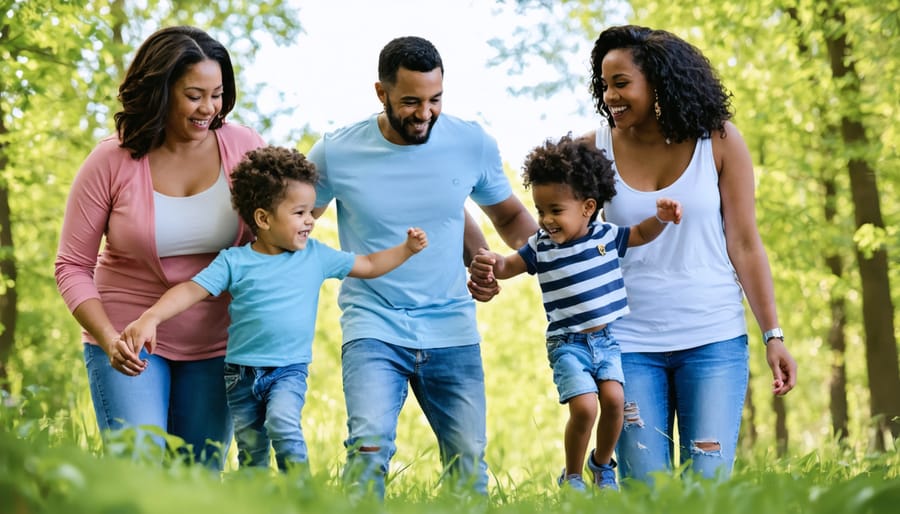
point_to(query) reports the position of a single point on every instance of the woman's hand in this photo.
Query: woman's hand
(124, 359)
(784, 367)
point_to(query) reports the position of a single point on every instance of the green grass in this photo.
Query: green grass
(37, 478)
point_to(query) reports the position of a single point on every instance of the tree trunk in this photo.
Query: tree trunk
(878, 309)
(836, 334)
(781, 430)
(8, 297)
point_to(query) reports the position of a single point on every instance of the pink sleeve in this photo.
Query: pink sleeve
(84, 223)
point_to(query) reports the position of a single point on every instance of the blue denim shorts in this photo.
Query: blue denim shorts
(580, 360)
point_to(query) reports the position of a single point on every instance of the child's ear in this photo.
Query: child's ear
(589, 207)
(261, 218)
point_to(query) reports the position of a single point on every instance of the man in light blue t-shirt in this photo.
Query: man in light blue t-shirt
(414, 327)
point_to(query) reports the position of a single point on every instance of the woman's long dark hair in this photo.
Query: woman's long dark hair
(160, 61)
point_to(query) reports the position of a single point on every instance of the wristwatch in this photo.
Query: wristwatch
(769, 334)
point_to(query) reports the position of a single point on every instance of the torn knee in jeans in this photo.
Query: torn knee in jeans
(706, 447)
(369, 449)
(633, 415)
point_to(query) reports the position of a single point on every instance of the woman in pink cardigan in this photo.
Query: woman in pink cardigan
(158, 192)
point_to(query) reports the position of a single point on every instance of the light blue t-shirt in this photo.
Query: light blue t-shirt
(274, 300)
(381, 189)
(581, 280)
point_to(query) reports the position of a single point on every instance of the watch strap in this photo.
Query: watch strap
(775, 332)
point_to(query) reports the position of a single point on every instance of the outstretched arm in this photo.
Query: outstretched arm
(142, 331)
(667, 210)
(515, 225)
(489, 265)
(379, 263)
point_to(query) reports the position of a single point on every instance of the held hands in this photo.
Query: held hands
(124, 352)
(668, 210)
(416, 240)
(482, 284)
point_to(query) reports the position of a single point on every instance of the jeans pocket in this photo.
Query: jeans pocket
(554, 344)
(232, 376)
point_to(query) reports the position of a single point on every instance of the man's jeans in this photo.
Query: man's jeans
(449, 386)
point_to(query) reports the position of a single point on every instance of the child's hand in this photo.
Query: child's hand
(140, 333)
(668, 210)
(124, 358)
(482, 266)
(416, 239)
(481, 284)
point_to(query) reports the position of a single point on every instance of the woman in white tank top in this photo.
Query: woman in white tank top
(685, 342)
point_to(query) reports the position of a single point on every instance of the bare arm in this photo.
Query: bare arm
(93, 318)
(492, 265)
(176, 300)
(379, 263)
(473, 239)
(515, 226)
(667, 210)
(746, 251)
(512, 221)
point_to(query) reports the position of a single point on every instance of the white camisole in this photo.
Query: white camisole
(682, 288)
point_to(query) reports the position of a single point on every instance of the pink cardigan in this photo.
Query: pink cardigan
(112, 196)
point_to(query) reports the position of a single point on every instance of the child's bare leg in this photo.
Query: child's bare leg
(612, 414)
(582, 414)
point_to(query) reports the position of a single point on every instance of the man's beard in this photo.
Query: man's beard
(399, 125)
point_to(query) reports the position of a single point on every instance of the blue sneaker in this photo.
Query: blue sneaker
(574, 482)
(604, 474)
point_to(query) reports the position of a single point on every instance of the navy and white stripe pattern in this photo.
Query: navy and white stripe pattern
(581, 280)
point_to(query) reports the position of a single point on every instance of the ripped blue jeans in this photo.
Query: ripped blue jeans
(702, 389)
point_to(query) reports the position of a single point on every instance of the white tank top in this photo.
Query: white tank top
(682, 288)
(201, 223)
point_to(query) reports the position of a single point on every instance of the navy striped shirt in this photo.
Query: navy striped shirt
(581, 281)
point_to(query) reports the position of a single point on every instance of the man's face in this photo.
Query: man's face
(412, 105)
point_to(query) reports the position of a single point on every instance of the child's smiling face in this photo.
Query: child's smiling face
(563, 216)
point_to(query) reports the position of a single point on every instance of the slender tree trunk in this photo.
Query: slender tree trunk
(8, 297)
(836, 334)
(781, 429)
(878, 308)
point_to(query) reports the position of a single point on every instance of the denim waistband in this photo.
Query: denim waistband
(579, 337)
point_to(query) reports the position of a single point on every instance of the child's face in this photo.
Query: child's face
(287, 228)
(560, 214)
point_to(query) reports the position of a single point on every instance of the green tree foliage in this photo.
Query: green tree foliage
(60, 66)
(795, 96)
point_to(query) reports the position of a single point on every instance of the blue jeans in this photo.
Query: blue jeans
(579, 360)
(184, 398)
(265, 406)
(449, 386)
(704, 388)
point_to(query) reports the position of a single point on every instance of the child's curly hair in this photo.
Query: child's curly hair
(574, 162)
(260, 180)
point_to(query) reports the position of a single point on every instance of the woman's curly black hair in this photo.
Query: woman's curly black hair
(576, 163)
(159, 62)
(260, 180)
(692, 100)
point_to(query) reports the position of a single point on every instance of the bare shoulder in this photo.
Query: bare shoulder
(728, 145)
